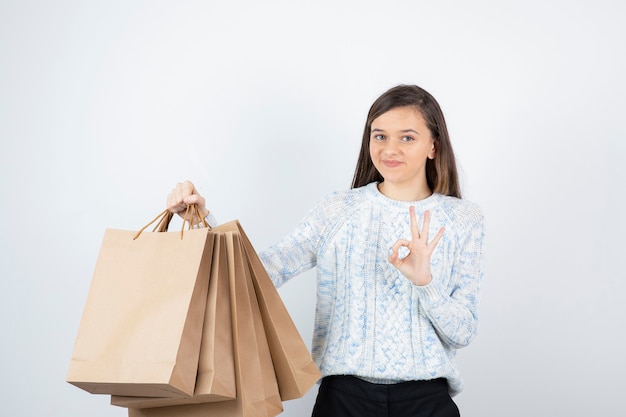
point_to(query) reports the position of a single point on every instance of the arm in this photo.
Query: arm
(296, 252)
(455, 315)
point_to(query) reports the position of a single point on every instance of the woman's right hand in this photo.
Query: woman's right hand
(183, 195)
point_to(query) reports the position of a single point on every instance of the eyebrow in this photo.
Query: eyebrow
(402, 131)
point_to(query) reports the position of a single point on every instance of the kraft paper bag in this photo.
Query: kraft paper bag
(216, 369)
(296, 372)
(273, 400)
(252, 398)
(141, 327)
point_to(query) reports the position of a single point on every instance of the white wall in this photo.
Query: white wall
(106, 105)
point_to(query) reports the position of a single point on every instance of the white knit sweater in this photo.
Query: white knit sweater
(371, 321)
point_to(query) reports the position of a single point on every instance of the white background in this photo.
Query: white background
(106, 105)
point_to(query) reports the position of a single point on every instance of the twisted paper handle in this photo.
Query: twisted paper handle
(193, 215)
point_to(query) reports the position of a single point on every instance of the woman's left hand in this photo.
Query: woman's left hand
(416, 265)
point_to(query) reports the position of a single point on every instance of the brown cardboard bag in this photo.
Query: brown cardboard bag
(273, 400)
(142, 323)
(253, 398)
(216, 370)
(296, 372)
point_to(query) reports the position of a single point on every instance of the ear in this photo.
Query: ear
(433, 151)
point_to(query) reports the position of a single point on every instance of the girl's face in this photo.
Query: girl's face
(400, 144)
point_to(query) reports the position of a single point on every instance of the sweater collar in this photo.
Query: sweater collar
(429, 202)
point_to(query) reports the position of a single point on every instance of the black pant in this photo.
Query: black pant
(348, 396)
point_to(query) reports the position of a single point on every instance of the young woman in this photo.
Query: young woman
(399, 262)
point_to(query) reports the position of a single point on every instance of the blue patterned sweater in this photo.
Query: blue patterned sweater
(370, 320)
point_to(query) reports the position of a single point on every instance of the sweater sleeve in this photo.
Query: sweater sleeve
(455, 314)
(296, 252)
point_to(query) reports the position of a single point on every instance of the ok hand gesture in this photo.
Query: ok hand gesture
(416, 265)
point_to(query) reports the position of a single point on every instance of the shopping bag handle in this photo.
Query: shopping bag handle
(192, 213)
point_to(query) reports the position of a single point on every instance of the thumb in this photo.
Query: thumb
(199, 201)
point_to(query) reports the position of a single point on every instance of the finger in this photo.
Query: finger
(415, 231)
(192, 199)
(198, 200)
(173, 202)
(437, 238)
(395, 250)
(176, 200)
(399, 243)
(394, 259)
(426, 226)
(177, 194)
(188, 188)
(180, 192)
(176, 208)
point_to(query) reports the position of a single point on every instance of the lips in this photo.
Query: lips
(391, 163)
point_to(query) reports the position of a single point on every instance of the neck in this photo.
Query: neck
(404, 193)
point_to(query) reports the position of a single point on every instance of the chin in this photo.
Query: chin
(393, 180)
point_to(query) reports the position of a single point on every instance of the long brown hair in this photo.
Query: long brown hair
(441, 172)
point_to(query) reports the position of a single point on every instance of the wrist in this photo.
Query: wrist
(210, 219)
(422, 281)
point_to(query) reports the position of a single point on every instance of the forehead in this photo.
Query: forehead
(400, 118)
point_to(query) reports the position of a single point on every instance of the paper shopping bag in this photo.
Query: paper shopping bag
(142, 323)
(295, 369)
(252, 396)
(216, 370)
(273, 401)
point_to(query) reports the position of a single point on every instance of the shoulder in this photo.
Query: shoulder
(337, 205)
(344, 199)
(464, 213)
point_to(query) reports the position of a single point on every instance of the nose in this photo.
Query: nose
(390, 149)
